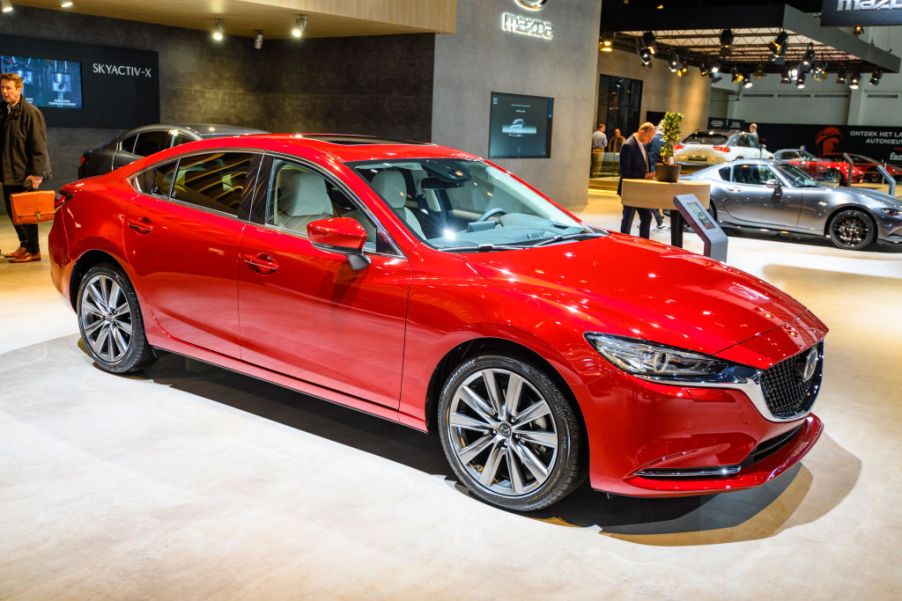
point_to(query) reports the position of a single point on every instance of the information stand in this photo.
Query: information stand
(702, 223)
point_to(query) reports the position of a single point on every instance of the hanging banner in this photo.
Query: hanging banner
(848, 13)
(879, 143)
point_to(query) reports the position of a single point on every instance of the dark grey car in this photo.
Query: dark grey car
(148, 139)
(764, 194)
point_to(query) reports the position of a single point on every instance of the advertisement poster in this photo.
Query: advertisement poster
(881, 143)
(520, 126)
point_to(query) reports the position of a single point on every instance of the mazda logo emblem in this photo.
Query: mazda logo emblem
(532, 4)
(810, 366)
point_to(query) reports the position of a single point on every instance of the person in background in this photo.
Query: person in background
(616, 142)
(753, 130)
(599, 138)
(653, 150)
(24, 158)
(634, 164)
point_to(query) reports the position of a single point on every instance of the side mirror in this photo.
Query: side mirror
(341, 235)
(778, 189)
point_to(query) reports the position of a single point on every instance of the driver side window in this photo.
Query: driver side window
(757, 175)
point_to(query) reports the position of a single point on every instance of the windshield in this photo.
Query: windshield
(797, 178)
(463, 205)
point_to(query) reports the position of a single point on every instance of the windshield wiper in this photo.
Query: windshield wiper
(481, 248)
(565, 237)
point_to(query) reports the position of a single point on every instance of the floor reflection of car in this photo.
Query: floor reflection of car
(820, 168)
(869, 166)
(148, 139)
(762, 194)
(519, 127)
(718, 146)
(432, 288)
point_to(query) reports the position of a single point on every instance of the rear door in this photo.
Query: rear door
(181, 236)
(304, 312)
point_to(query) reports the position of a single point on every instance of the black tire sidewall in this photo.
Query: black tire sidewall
(139, 352)
(566, 470)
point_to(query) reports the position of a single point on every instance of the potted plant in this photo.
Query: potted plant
(666, 171)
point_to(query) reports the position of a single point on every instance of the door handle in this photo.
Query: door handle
(733, 190)
(261, 263)
(142, 225)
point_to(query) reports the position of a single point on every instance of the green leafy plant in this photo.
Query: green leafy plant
(671, 126)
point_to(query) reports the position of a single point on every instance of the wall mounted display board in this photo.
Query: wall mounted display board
(82, 85)
(881, 143)
(848, 13)
(520, 126)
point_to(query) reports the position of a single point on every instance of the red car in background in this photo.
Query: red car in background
(868, 167)
(427, 286)
(821, 168)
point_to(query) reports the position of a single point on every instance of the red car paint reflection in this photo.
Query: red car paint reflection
(228, 285)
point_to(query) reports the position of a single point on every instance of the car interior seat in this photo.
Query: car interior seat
(391, 186)
(301, 198)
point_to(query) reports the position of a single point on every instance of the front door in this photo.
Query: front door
(757, 199)
(304, 312)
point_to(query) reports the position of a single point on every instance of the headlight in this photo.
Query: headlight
(892, 212)
(659, 362)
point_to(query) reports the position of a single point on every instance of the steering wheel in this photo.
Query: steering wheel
(491, 213)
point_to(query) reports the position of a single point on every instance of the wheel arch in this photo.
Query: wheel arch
(84, 264)
(838, 209)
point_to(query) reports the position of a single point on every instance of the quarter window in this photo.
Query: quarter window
(150, 142)
(128, 144)
(213, 181)
(156, 180)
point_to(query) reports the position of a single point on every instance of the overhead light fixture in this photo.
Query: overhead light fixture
(737, 77)
(726, 38)
(820, 71)
(648, 42)
(777, 45)
(841, 76)
(875, 77)
(858, 30)
(715, 67)
(7, 6)
(800, 82)
(674, 64)
(218, 34)
(760, 73)
(715, 77)
(660, 6)
(704, 70)
(785, 76)
(606, 43)
(300, 26)
(258, 40)
(808, 59)
(747, 82)
(854, 81)
(645, 55)
(66, 3)
(683, 71)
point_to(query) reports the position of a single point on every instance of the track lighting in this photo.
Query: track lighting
(258, 40)
(715, 67)
(7, 6)
(875, 77)
(857, 30)
(800, 82)
(66, 4)
(820, 72)
(218, 34)
(715, 77)
(683, 71)
(737, 76)
(747, 82)
(648, 42)
(300, 25)
(759, 71)
(644, 55)
(854, 81)
(841, 76)
(808, 60)
(785, 77)
(777, 45)
(704, 70)
(674, 64)
(606, 43)
(726, 38)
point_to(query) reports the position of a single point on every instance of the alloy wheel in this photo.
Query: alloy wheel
(851, 229)
(106, 317)
(502, 432)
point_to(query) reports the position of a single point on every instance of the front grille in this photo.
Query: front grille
(785, 390)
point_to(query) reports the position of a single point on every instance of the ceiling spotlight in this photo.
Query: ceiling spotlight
(794, 73)
(759, 71)
(777, 45)
(800, 82)
(715, 67)
(644, 55)
(715, 77)
(704, 70)
(841, 76)
(258, 40)
(737, 76)
(875, 77)
(66, 4)
(648, 42)
(820, 71)
(808, 60)
(683, 70)
(674, 64)
(747, 81)
(785, 76)
(300, 25)
(606, 43)
(218, 31)
(726, 38)
(858, 30)
(7, 6)
(854, 81)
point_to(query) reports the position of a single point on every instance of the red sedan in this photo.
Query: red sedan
(829, 168)
(868, 167)
(427, 286)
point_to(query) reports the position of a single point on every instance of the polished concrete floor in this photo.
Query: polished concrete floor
(191, 482)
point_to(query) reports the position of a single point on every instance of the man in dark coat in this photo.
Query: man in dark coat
(634, 164)
(24, 161)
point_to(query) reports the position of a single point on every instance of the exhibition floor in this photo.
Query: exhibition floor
(190, 481)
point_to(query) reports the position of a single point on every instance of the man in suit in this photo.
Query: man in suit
(634, 164)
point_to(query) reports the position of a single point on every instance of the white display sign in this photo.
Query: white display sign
(529, 26)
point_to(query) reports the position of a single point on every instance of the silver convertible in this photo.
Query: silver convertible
(764, 194)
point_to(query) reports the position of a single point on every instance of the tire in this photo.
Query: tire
(532, 454)
(852, 229)
(110, 321)
(712, 210)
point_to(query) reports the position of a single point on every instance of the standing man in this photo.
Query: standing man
(753, 130)
(24, 162)
(599, 138)
(634, 165)
(616, 141)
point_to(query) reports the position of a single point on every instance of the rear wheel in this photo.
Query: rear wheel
(110, 321)
(509, 433)
(852, 229)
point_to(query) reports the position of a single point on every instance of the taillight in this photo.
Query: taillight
(83, 160)
(721, 149)
(678, 147)
(61, 198)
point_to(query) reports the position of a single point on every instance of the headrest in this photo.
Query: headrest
(302, 193)
(391, 186)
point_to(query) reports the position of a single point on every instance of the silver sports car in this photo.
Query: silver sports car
(765, 194)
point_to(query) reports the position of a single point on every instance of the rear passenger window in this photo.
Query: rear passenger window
(213, 181)
(150, 142)
(156, 180)
(128, 144)
(725, 173)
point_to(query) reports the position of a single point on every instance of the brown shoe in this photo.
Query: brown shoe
(16, 253)
(26, 257)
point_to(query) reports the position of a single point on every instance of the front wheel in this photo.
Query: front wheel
(509, 433)
(110, 321)
(852, 229)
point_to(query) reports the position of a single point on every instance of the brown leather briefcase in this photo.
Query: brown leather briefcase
(33, 207)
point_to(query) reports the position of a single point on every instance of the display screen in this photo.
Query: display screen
(520, 126)
(47, 83)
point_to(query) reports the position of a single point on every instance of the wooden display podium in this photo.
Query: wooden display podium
(652, 194)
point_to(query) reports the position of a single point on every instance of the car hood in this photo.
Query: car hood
(875, 196)
(632, 287)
